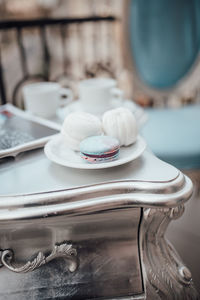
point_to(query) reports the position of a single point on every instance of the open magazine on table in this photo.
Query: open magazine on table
(20, 131)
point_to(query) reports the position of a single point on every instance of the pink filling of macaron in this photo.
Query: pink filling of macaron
(109, 154)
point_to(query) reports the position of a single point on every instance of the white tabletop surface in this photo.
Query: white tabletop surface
(32, 172)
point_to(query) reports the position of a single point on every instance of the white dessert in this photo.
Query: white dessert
(78, 126)
(121, 124)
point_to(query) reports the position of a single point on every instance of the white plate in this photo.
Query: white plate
(57, 151)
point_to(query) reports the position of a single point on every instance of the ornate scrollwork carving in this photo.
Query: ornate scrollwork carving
(186, 275)
(64, 250)
(172, 213)
(166, 277)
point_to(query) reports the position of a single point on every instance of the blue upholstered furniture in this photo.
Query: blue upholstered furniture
(165, 41)
(174, 135)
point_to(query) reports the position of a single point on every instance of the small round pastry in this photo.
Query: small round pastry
(79, 125)
(121, 124)
(98, 149)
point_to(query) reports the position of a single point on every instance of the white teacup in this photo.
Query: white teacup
(96, 94)
(44, 98)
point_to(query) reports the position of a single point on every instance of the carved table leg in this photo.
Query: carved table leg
(165, 275)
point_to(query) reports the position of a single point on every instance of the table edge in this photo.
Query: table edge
(97, 198)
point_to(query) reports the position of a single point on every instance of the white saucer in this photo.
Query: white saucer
(57, 151)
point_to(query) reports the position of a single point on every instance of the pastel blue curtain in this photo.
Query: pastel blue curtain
(165, 39)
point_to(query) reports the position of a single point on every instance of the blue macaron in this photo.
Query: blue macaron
(98, 149)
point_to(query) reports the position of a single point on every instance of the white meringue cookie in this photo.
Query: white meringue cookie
(78, 126)
(121, 124)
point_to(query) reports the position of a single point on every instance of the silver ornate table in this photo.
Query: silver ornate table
(98, 234)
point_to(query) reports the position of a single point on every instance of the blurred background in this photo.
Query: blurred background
(64, 51)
